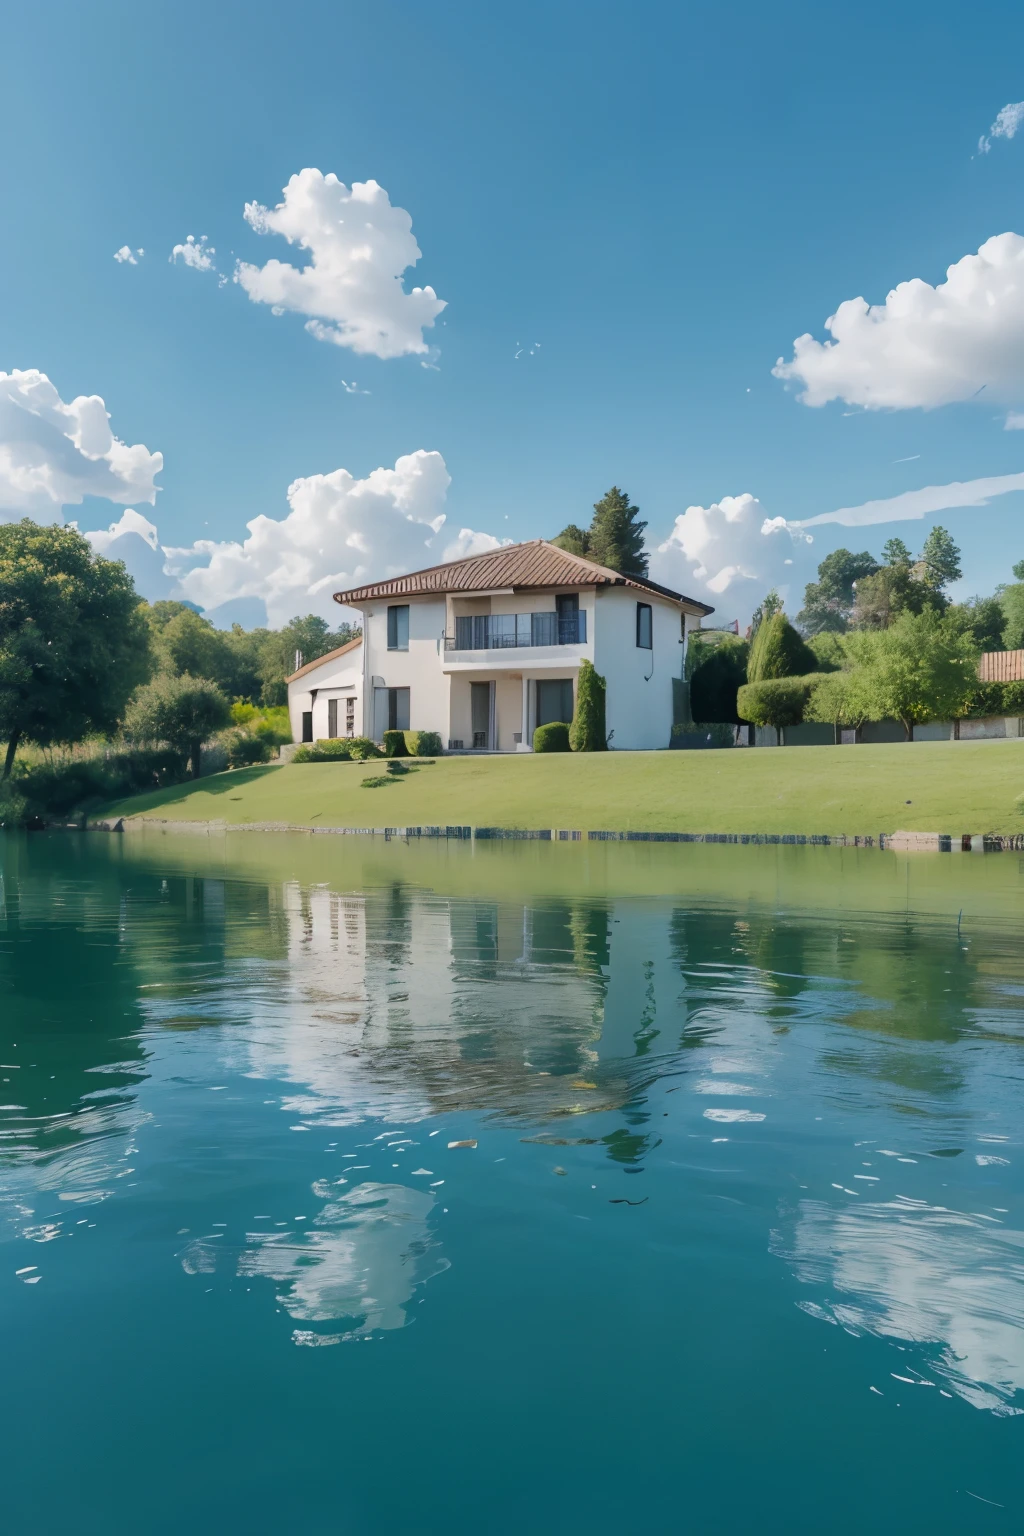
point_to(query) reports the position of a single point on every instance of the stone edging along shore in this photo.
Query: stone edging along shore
(912, 842)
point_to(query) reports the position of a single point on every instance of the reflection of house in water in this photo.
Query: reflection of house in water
(403, 1004)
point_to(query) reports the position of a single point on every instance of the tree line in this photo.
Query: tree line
(875, 640)
(81, 655)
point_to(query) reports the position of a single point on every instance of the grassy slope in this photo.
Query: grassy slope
(951, 787)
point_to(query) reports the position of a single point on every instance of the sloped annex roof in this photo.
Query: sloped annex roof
(311, 666)
(531, 565)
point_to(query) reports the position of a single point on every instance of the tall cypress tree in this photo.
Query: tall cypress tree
(617, 534)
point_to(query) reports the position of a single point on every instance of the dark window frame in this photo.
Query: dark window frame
(394, 642)
(641, 610)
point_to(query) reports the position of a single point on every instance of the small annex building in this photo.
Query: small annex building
(325, 697)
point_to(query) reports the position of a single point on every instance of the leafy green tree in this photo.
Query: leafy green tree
(777, 702)
(183, 711)
(895, 554)
(615, 537)
(983, 618)
(588, 731)
(940, 558)
(73, 644)
(573, 539)
(837, 699)
(1011, 601)
(918, 669)
(767, 608)
(778, 650)
(829, 601)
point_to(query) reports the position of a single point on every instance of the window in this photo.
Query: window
(350, 717)
(398, 628)
(307, 725)
(332, 717)
(554, 701)
(644, 627)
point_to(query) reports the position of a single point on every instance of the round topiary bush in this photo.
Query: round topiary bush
(552, 738)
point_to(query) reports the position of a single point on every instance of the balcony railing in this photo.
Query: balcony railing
(505, 631)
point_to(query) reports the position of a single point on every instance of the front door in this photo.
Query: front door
(480, 714)
(554, 700)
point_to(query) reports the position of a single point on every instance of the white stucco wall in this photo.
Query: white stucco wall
(339, 679)
(639, 697)
(418, 668)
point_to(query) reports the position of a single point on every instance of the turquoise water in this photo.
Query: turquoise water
(739, 1242)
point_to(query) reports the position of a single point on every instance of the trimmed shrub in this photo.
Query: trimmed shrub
(394, 744)
(777, 650)
(552, 738)
(588, 732)
(330, 750)
(362, 747)
(776, 701)
(424, 744)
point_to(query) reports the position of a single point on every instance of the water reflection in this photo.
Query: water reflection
(951, 1281)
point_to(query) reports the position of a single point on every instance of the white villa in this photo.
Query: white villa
(485, 650)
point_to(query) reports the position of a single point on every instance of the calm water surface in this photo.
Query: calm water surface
(737, 1241)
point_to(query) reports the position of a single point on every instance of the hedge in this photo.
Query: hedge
(552, 738)
(423, 744)
(778, 651)
(331, 750)
(394, 744)
(715, 672)
(588, 732)
(776, 701)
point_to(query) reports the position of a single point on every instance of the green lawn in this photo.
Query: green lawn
(954, 787)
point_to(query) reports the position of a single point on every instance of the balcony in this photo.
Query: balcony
(508, 631)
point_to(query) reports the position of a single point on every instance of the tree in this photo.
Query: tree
(767, 608)
(918, 669)
(73, 643)
(575, 540)
(895, 553)
(777, 650)
(836, 699)
(983, 618)
(183, 711)
(615, 537)
(311, 637)
(1011, 601)
(940, 558)
(588, 732)
(777, 702)
(828, 602)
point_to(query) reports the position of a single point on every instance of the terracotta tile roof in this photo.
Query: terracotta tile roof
(328, 656)
(1002, 667)
(531, 565)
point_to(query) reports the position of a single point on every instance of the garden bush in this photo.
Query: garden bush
(55, 790)
(776, 702)
(244, 749)
(776, 651)
(424, 744)
(716, 667)
(362, 747)
(394, 744)
(330, 750)
(552, 738)
(588, 732)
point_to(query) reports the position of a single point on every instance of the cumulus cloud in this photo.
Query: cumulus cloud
(127, 254)
(924, 346)
(340, 532)
(351, 288)
(53, 454)
(197, 254)
(917, 504)
(102, 539)
(1005, 126)
(732, 547)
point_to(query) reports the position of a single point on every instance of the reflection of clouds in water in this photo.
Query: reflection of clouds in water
(913, 1271)
(361, 1261)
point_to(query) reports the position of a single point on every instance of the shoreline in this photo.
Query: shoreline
(902, 842)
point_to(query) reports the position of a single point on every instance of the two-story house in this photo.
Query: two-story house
(485, 650)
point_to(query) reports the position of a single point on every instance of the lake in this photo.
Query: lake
(362, 1187)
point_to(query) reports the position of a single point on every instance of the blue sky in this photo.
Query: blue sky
(663, 198)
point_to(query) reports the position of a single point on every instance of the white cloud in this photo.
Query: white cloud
(730, 547)
(127, 254)
(54, 454)
(352, 287)
(130, 521)
(340, 532)
(917, 504)
(1005, 126)
(1014, 421)
(924, 346)
(197, 254)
